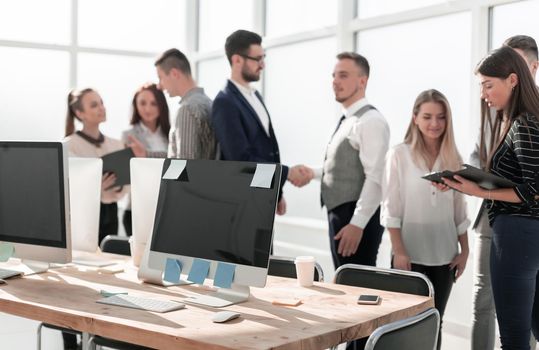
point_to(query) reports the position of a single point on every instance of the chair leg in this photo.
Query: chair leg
(88, 341)
(39, 327)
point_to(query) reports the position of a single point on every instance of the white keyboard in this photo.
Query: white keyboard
(148, 304)
(9, 273)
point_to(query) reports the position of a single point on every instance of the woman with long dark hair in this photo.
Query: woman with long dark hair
(507, 86)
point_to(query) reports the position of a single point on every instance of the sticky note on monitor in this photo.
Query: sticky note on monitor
(6, 251)
(224, 276)
(175, 169)
(199, 271)
(263, 175)
(173, 270)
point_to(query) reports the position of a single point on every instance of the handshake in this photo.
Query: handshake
(300, 175)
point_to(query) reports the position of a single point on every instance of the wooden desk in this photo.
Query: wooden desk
(328, 316)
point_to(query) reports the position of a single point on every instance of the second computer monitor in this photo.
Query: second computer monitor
(85, 199)
(213, 212)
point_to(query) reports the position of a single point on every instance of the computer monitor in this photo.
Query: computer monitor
(85, 200)
(145, 176)
(34, 202)
(213, 213)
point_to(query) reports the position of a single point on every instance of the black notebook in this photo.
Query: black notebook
(482, 178)
(118, 163)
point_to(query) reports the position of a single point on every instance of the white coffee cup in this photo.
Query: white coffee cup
(137, 249)
(305, 270)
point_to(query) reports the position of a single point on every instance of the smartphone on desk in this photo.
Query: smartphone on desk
(367, 299)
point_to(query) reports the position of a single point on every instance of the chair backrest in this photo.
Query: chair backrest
(419, 332)
(385, 279)
(285, 267)
(115, 244)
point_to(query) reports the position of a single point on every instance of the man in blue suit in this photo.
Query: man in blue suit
(241, 121)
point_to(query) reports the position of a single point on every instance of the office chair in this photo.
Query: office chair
(392, 280)
(285, 267)
(110, 244)
(419, 332)
(115, 244)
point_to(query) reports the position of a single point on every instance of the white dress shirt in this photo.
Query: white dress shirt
(254, 101)
(430, 220)
(155, 139)
(370, 136)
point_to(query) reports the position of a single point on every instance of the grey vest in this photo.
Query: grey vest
(343, 175)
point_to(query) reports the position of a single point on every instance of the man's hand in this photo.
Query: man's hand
(136, 146)
(300, 175)
(350, 236)
(281, 207)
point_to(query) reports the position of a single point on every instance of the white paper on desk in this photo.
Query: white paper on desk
(263, 175)
(175, 169)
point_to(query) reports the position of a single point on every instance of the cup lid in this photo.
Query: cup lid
(305, 258)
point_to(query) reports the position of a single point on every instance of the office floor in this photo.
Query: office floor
(19, 333)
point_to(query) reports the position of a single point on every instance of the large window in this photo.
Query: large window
(282, 16)
(138, 25)
(435, 55)
(299, 96)
(36, 20)
(505, 26)
(33, 91)
(218, 19)
(373, 8)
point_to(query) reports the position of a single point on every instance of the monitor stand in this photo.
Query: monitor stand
(223, 297)
(27, 267)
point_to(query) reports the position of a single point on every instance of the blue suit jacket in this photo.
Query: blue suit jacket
(239, 130)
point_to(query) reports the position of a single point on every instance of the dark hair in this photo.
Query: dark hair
(359, 60)
(173, 58)
(163, 120)
(238, 43)
(501, 63)
(525, 43)
(74, 103)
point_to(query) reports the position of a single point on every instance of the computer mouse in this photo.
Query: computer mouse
(223, 316)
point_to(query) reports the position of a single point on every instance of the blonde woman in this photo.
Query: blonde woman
(426, 225)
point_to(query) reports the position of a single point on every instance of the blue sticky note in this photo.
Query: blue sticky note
(6, 251)
(199, 271)
(224, 276)
(173, 269)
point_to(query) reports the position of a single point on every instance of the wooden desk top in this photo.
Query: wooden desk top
(328, 315)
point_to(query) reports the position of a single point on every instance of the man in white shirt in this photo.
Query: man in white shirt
(353, 167)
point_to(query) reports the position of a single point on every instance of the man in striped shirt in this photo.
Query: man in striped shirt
(192, 136)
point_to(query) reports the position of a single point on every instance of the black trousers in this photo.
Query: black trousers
(442, 280)
(372, 236)
(127, 221)
(108, 220)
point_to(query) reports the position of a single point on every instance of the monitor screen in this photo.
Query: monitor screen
(32, 193)
(212, 212)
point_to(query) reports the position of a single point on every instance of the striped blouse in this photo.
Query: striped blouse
(517, 159)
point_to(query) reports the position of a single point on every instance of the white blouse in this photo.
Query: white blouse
(430, 220)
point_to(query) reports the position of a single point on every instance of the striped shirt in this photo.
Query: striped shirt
(517, 159)
(192, 136)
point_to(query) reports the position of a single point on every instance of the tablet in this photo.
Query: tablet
(118, 163)
(484, 179)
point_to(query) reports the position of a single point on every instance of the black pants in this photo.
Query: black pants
(127, 221)
(514, 267)
(372, 236)
(442, 280)
(108, 220)
(70, 341)
(366, 252)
